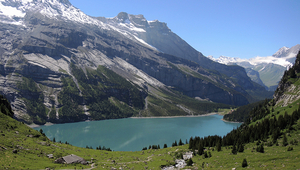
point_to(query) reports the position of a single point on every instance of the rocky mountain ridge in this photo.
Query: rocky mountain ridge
(52, 53)
(288, 90)
(266, 71)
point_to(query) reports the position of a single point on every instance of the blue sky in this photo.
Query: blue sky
(234, 28)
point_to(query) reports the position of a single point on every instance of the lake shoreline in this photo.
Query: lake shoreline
(166, 117)
(154, 117)
(35, 125)
(230, 121)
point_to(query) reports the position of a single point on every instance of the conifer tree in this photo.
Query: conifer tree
(219, 146)
(260, 148)
(284, 141)
(241, 147)
(191, 143)
(209, 154)
(244, 163)
(174, 144)
(200, 149)
(275, 134)
(180, 142)
(205, 154)
(234, 150)
(189, 162)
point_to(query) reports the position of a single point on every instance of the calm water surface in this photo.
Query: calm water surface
(133, 134)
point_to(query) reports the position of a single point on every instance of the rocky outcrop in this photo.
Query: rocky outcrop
(287, 91)
(71, 159)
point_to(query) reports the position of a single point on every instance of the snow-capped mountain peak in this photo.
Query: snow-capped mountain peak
(226, 60)
(281, 52)
(14, 11)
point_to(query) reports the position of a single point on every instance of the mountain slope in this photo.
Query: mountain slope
(51, 51)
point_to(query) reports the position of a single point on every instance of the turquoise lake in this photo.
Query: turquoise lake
(132, 134)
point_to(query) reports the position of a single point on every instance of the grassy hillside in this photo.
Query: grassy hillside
(32, 150)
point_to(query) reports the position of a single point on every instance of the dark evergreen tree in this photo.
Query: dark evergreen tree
(174, 144)
(53, 140)
(165, 145)
(260, 148)
(240, 147)
(180, 142)
(244, 163)
(189, 162)
(205, 155)
(284, 141)
(275, 134)
(234, 150)
(154, 147)
(200, 149)
(219, 147)
(5, 107)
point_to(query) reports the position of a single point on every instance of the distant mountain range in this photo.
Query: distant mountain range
(58, 64)
(266, 71)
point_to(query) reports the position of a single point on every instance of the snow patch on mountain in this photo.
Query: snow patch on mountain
(226, 60)
(148, 45)
(131, 27)
(270, 60)
(282, 57)
(254, 61)
(10, 11)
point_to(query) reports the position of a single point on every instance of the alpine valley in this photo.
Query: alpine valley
(58, 64)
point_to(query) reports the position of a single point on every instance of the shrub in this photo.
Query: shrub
(244, 163)
(290, 148)
(260, 148)
(189, 162)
